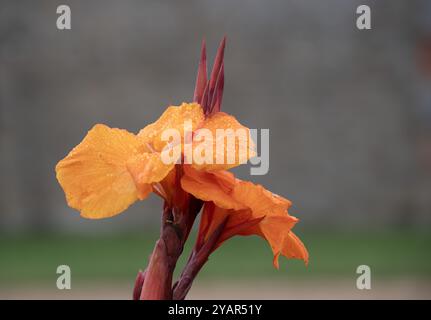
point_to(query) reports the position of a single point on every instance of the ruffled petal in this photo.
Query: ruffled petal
(94, 175)
(147, 168)
(216, 187)
(275, 229)
(252, 210)
(261, 200)
(294, 248)
(221, 143)
(174, 117)
(227, 192)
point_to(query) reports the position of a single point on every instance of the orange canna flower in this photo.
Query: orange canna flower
(183, 157)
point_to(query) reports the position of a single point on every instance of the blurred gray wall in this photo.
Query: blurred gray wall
(338, 101)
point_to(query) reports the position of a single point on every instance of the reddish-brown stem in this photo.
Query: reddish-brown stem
(195, 263)
(139, 282)
(176, 225)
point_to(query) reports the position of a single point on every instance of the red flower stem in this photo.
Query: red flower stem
(139, 282)
(176, 225)
(195, 263)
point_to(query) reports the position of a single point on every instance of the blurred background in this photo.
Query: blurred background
(349, 114)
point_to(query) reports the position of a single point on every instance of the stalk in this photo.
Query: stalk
(198, 258)
(175, 228)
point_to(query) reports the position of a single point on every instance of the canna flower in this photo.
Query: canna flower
(183, 158)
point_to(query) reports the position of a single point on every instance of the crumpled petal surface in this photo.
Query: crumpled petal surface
(147, 168)
(174, 117)
(216, 186)
(94, 175)
(228, 150)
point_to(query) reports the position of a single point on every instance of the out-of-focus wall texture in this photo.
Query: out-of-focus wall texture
(347, 109)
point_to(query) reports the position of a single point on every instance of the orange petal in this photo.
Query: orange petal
(174, 117)
(147, 168)
(276, 225)
(260, 200)
(170, 186)
(223, 143)
(275, 230)
(94, 176)
(240, 222)
(210, 187)
(294, 248)
(213, 216)
(225, 191)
